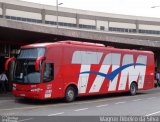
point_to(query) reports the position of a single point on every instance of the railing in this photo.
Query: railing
(83, 26)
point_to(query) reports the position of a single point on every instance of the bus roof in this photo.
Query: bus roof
(76, 43)
(63, 42)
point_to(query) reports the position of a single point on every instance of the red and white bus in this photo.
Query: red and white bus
(68, 69)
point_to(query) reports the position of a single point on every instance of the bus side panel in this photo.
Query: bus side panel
(71, 71)
(55, 55)
(149, 78)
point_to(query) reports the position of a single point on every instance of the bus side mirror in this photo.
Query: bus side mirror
(37, 63)
(7, 62)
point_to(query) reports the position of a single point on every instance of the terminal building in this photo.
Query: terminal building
(24, 23)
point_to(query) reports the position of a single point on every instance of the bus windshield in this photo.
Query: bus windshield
(31, 53)
(25, 66)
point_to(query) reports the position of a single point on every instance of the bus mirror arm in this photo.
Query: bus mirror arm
(37, 64)
(7, 63)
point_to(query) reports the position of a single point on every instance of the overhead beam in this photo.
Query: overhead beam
(133, 39)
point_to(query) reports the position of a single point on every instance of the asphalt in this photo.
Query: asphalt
(145, 103)
(6, 96)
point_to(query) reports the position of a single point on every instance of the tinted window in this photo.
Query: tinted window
(48, 72)
(31, 53)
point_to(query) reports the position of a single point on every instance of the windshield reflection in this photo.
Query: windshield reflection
(25, 72)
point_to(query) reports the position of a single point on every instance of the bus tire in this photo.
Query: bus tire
(70, 94)
(133, 88)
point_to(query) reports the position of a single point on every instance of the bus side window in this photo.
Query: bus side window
(48, 72)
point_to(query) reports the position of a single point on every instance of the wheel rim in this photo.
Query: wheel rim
(70, 95)
(133, 89)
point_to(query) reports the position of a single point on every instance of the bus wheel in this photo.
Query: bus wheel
(133, 88)
(70, 94)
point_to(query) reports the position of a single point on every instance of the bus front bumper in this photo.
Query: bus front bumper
(29, 94)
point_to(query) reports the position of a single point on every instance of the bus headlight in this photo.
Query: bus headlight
(36, 90)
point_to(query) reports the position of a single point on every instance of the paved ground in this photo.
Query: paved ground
(145, 103)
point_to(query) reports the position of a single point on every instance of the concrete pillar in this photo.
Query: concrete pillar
(157, 63)
(3, 10)
(108, 26)
(96, 24)
(77, 20)
(137, 27)
(43, 13)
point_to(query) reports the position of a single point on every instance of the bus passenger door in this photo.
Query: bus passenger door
(48, 77)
